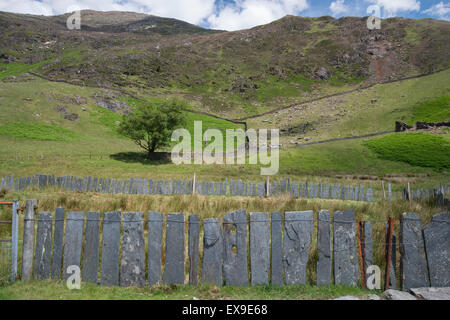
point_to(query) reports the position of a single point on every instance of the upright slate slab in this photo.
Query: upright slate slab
(260, 190)
(28, 182)
(43, 250)
(283, 186)
(58, 239)
(437, 245)
(346, 270)
(212, 252)
(174, 266)
(276, 260)
(413, 264)
(242, 185)
(42, 181)
(334, 192)
(110, 249)
(193, 245)
(361, 193)
(132, 266)
(89, 271)
(294, 191)
(235, 263)
(368, 246)
(298, 227)
(369, 195)
(259, 248)
(73, 241)
(324, 248)
(155, 227)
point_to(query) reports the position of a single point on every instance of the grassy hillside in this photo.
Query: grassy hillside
(365, 111)
(432, 110)
(91, 146)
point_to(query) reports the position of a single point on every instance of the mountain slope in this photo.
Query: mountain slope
(228, 73)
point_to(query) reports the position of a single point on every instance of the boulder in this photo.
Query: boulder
(397, 295)
(323, 73)
(432, 293)
(71, 116)
(61, 109)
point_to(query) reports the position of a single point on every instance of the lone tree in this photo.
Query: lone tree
(150, 126)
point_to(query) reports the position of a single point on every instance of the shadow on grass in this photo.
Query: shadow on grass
(141, 157)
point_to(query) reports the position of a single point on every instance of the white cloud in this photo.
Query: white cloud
(440, 10)
(244, 14)
(193, 11)
(338, 7)
(393, 7)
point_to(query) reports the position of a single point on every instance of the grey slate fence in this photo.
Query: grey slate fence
(174, 187)
(438, 194)
(279, 248)
(422, 194)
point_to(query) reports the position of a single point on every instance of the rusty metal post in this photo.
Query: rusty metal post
(388, 253)
(362, 253)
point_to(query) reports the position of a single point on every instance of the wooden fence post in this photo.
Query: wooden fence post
(409, 194)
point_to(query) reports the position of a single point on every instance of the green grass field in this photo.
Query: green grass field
(37, 131)
(419, 149)
(435, 110)
(10, 70)
(53, 290)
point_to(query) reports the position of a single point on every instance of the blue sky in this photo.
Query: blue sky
(239, 14)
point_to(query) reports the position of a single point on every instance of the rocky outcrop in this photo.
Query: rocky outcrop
(401, 126)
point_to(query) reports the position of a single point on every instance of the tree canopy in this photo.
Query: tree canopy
(150, 126)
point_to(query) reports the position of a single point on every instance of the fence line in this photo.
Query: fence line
(179, 187)
(438, 194)
(279, 248)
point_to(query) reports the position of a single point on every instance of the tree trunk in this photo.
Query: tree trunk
(150, 152)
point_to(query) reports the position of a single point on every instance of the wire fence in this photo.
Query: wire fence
(5, 260)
